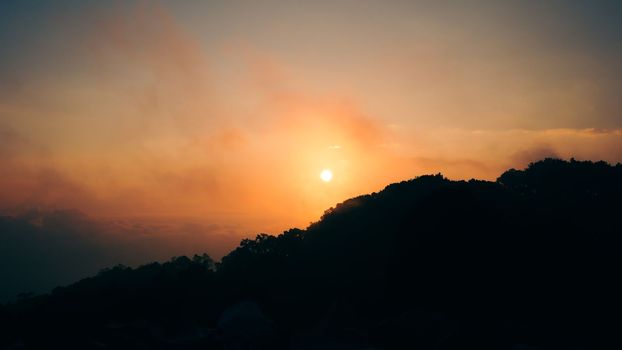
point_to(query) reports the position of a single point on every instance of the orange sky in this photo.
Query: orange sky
(172, 110)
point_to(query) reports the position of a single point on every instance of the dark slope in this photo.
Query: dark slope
(532, 258)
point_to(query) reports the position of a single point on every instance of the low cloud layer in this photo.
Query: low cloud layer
(44, 249)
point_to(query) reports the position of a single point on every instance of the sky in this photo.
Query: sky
(225, 112)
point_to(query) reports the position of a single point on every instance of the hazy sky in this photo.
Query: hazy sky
(229, 110)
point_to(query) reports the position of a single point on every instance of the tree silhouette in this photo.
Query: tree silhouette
(531, 258)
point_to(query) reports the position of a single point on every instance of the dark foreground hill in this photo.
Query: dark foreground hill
(531, 261)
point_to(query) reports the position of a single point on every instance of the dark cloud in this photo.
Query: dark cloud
(43, 249)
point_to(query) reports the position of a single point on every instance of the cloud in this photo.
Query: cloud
(163, 70)
(463, 153)
(42, 249)
(526, 156)
(152, 123)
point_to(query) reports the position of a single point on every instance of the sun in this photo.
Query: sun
(326, 175)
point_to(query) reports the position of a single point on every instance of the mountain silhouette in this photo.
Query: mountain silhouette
(529, 261)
